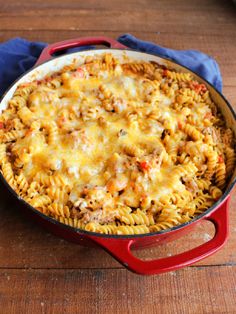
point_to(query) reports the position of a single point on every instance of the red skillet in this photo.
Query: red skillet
(120, 246)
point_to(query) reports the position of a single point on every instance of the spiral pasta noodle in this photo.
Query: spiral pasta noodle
(191, 131)
(22, 183)
(12, 135)
(220, 175)
(230, 160)
(3, 154)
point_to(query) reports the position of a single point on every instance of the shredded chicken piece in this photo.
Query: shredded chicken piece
(215, 134)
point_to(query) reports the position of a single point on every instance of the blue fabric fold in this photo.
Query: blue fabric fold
(19, 55)
(196, 61)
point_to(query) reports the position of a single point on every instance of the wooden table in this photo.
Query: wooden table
(40, 273)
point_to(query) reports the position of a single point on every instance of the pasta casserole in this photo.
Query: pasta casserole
(115, 147)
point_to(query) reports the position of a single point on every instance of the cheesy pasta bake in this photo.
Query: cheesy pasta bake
(116, 147)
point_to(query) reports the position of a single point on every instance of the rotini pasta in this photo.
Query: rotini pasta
(116, 147)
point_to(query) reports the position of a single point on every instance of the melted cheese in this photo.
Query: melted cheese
(84, 147)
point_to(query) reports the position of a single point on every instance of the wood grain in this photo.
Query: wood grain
(213, 5)
(192, 290)
(192, 22)
(40, 273)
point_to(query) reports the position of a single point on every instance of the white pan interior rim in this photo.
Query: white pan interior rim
(40, 71)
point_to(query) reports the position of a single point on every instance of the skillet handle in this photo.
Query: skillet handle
(121, 248)
(47, 52)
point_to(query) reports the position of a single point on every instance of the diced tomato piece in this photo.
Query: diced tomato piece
(193, 84)
(208, 115)
(143, 196)
(25, 84)
(48, 79)
(220, 159)
(180, 125)
(144, 165)
(132, 184)
(28, 132)
(198, 87)
(1, 125)
(80, 72)
(203, 88)
(165, 72)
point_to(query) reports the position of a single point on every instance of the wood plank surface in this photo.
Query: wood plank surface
(118, 291)
(173, 17)
(40, 273)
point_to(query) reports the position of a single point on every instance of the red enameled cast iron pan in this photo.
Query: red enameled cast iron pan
(120, 246)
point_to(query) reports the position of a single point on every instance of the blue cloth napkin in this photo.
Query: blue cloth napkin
(18, 55)
(196, 61)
